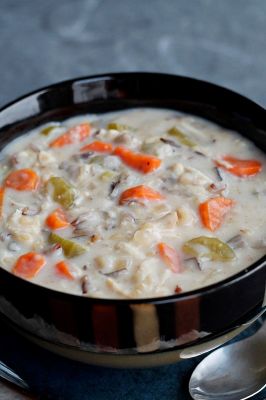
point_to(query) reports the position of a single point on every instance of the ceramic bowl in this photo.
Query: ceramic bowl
(140, 332)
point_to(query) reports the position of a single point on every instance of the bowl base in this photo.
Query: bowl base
(134, 360)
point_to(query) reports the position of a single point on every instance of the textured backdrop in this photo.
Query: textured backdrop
(45, 41)
(42, 42)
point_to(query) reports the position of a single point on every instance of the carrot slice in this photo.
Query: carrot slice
(170, 257)
(63, 269)
(213, 211)
(100, 147)
(22, 179)
(28, 265)
(144, 163)
(140, 193)
(238, 167)
(74, 135)
(57, 219)
(2, 192)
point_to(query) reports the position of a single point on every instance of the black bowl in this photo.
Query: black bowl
(133, 328)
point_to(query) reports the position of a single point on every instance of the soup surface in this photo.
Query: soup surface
(134, 204)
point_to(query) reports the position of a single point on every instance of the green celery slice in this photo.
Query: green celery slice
(217, 250)
(181, 137)
(63, 192)
(48, 129)
(70, 248)
(116, 126)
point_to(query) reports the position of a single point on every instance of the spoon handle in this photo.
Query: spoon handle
(9, 375)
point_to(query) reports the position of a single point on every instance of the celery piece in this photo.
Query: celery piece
(96, 160)
(181, 137)
(217, 250)
(70, 248)
(63, 193)
(117, 127)
(48, 129)
(107, 175)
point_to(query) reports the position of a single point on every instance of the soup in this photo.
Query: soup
(133, 204)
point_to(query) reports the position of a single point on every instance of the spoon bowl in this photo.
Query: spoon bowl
(234, 372)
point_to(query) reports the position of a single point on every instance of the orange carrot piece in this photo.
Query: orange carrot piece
(238, 167)
(63, 269)
(213, 211)
(74, 135)
(22, 179)
(140, 194)
(100, 147)
(2, 193)
(29, 265)
(57, 219)
(144, 163)
(170, 257)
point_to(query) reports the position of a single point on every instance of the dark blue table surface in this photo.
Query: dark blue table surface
(58, 378)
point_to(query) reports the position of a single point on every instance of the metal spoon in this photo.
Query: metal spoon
(234, 372)
(7, 374)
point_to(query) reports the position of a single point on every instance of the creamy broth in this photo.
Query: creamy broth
(133, 204)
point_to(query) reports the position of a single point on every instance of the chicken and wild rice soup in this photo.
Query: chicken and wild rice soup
(133, 204)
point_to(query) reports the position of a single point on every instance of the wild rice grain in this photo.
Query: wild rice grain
(84, 284)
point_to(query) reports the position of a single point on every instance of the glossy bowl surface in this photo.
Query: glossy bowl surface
(134, 328)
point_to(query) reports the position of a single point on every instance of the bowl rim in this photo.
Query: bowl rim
(205, 290)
